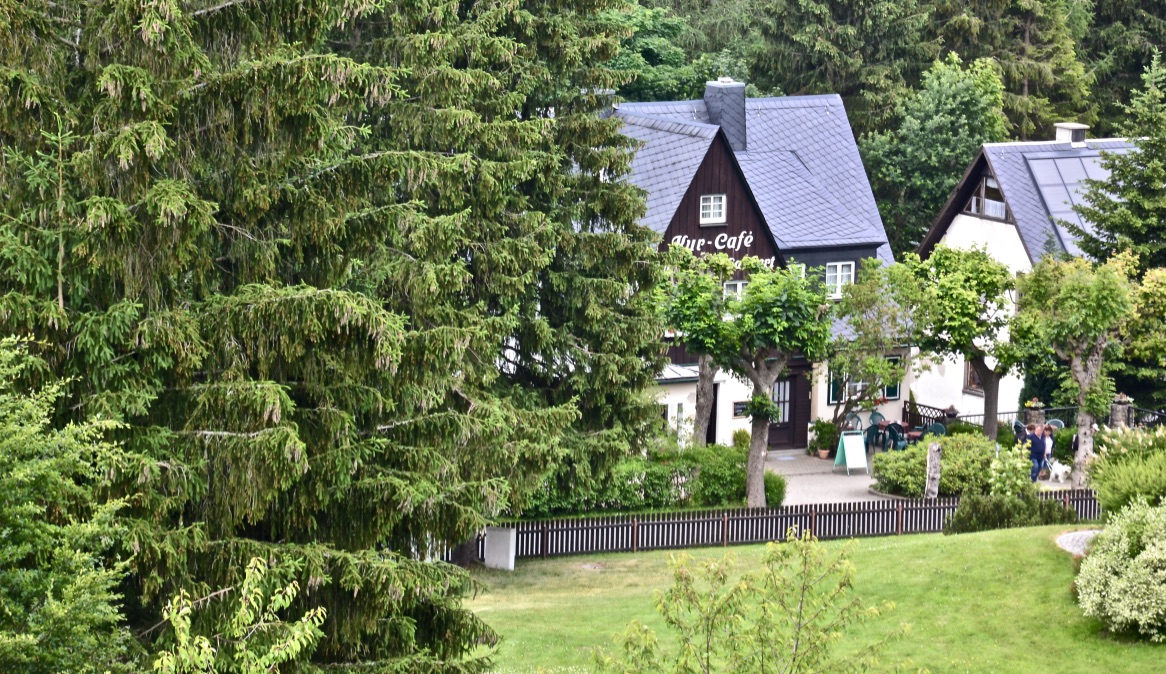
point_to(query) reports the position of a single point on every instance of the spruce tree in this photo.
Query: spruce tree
(1045, 80)
(353, 275)
(1118, 47)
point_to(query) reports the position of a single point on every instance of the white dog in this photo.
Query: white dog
(1059, 471)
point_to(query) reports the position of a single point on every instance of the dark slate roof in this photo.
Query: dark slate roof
(665, 165)
(802, 165)
(1041, 181)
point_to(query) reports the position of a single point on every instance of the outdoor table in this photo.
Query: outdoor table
(914, 436)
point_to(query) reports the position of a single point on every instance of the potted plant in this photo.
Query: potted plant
(1034, 404)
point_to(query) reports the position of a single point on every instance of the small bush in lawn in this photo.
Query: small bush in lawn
(741, 439)
(774, 489)
(1130, 464)
(1010, 473)
(984, 513)
(964, 467)
(1122, 581)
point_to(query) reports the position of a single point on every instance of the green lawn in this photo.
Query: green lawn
(999, 601)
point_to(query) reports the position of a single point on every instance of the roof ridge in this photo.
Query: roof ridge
(669, 124)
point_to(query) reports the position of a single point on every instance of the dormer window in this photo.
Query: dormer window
(987, 201)
(712, 209)
(838, 275)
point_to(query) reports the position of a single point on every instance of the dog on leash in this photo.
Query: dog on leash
(1059, 471)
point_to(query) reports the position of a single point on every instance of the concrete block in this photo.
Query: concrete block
(501, 546)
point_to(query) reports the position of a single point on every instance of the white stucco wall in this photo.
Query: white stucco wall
(822, 409)
(681, 398)
(1000, 239)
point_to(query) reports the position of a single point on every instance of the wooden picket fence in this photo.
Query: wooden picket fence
(691, 529)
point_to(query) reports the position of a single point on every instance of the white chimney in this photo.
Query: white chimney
(1071, 132)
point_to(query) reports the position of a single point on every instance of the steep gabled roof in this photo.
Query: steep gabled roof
(664, 166)
(801, 164)
(1041, 182)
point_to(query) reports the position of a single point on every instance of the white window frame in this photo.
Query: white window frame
(843, 276)
(797, 269)
(710, 200)
(899, 395)
(736, 288)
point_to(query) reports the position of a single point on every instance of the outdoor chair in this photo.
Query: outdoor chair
(874, 438)
(1019, 429)
(936, 429)
(1057, 424)
(853, 422)
(896, 439)
(875, 418)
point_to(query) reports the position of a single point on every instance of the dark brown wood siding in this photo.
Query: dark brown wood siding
(718, 174)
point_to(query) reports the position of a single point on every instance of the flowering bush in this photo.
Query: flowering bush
(1123, 579)
(1009, 473)
(1034, 404)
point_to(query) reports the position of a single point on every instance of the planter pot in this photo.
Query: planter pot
(823, 454)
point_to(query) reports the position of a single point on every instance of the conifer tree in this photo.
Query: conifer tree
(1118, 47)
(352, 273)
(1045, 80)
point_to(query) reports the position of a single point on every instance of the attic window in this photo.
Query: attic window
(988, 201)
(712, 209)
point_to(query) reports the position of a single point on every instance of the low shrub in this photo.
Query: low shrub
(964, 428)
(774, 489)
(720, 476)
(741, 438)
(1122, 580)
(1010, 473)
(982, 513)
(1129, 464)
(964, 468)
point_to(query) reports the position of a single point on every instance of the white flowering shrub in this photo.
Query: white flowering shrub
(1122, 581)
(1009, 473)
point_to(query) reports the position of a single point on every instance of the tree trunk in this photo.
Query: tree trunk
(934, 456)
(704, 400)
(991, 383)
(1084, 447)
(758, 443)
(465, 554)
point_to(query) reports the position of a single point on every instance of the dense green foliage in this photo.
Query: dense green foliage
(868, 51)
(825, 434)
(914, 166)
(1000, 511)
(1131, 464)
(1009, 474)
(785, 617)
(59, 599)
(1122, 581)
(1063, 444)
(1120, 43)
(964, 467)
(709, 477)
(351, 275)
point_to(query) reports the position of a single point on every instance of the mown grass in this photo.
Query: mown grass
(1000, 601)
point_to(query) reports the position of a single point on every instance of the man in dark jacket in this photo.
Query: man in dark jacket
(1036, 450)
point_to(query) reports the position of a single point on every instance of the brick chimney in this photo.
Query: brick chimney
(725, 101)
(1071, 132)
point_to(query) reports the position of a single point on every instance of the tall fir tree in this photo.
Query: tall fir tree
(1045, 79)
(354, 274)
(1118, 47)
(868, 51)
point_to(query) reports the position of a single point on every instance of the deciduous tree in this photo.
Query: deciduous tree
(915, 166)
(1078, 310)
(754, 336)
(964, 309)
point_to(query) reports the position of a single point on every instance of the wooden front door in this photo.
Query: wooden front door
(791, 395)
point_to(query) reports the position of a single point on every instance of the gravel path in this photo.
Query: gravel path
(1077, 542)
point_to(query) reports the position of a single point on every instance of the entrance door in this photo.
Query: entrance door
(781, 432)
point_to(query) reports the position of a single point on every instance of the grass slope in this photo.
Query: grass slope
(999, 601)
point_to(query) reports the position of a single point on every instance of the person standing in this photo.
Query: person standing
(1036, 450)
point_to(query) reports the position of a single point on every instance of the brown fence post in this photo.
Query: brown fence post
(725, 529)
(1066, 498)
(899, 518)
(635, 533)
(543, 541)
(813, 519)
